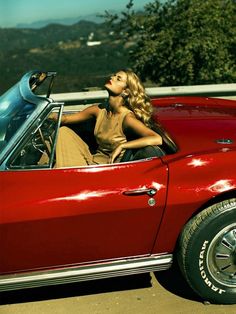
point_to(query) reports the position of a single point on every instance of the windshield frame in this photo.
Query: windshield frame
(14, 102)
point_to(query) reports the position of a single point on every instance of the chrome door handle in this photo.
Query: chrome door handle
(149, 192)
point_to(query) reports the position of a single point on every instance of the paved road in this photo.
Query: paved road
(159, 293)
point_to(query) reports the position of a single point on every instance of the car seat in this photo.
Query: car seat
(142, 153)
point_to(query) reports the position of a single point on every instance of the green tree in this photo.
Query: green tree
(181, 42)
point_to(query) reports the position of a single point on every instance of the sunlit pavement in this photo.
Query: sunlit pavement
(163, 292)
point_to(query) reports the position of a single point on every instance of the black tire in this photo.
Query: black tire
(207, 253)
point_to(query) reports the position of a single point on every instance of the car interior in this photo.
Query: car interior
(85, 131)
(38, 149)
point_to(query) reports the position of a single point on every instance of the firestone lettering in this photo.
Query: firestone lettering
(202, 271)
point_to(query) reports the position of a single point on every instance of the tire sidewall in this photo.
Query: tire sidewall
(198, 273)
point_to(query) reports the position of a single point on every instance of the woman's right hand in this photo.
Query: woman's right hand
(116, 152)
(53, 116)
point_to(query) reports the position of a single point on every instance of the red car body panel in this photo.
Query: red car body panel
(193, 182)
(61, 217)
(202, 168)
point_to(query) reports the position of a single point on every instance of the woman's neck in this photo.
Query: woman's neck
(115, 103)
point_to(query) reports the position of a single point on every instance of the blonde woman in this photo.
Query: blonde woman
(128, 108)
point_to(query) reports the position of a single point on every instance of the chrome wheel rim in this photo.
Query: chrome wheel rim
(221, 257)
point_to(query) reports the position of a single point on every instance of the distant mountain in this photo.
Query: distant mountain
(83, 54)
(26, 38)
(96, 18)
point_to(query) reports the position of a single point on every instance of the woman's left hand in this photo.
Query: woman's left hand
(116, 152)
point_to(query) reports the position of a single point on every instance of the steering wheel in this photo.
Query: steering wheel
(42, 141)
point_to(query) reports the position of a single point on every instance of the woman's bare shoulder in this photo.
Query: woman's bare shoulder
(93, 110)
(131, 122)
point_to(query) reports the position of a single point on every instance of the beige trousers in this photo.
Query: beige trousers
(71, 150)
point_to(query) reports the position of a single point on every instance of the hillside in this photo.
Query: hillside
(83, 54)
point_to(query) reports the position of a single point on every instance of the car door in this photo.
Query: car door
(55, 217)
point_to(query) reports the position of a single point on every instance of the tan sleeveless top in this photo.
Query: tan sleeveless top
(109, 134)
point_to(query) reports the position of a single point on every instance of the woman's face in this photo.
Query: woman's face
(117, 83)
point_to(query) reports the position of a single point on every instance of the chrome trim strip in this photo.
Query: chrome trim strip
(224, 141)
(84, 273)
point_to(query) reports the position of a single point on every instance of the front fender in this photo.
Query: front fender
(194, 180)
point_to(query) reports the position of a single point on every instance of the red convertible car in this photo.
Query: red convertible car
(61, 225)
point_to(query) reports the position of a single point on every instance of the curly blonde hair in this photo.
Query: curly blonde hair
(137, 99)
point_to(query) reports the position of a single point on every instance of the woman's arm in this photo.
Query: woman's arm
(77, 117)
(80, 116)
(147, 136)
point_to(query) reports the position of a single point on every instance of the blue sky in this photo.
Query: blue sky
(13, 12)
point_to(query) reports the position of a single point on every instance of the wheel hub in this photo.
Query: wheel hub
(221, 258)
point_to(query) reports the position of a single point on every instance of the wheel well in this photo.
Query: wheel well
(217, 199)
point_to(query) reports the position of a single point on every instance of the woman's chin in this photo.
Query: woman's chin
(107, 87)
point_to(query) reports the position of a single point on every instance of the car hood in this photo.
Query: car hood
(198, 124)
